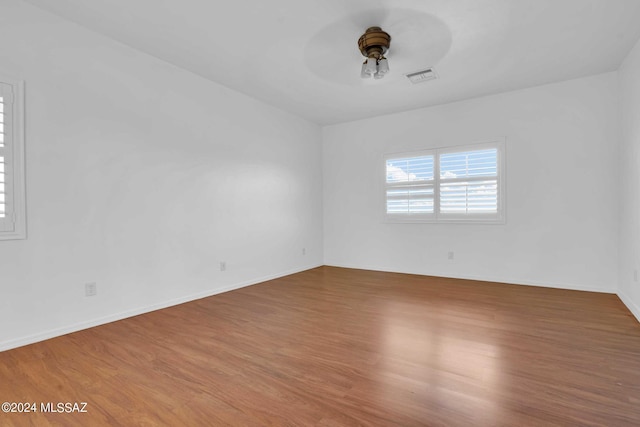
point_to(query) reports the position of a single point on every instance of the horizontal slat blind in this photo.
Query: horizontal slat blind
(3, 183)
(410, 200)
(469, 182)
(12, 194)
(410, 169)
(451, 184)
(469, 197)
(469, 164)
(1, 121)
(410, 185)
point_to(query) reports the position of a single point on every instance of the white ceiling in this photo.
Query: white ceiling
(302, 55)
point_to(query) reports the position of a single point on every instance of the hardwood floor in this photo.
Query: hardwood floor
(339, 347)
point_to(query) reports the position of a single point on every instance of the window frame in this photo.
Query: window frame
(437, 217)
(13, 226)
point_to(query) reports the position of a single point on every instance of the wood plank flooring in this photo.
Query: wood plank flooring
(340, 347)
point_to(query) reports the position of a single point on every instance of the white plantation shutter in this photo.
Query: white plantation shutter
(453, 184)
(469, 182)
(410, 185)
(5, 156)
(12, 221)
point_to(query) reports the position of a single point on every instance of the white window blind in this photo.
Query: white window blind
(410, 185)
(452, 184)
(3, 203)
(12, 212)
(469, 182)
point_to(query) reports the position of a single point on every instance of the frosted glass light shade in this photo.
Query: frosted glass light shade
(383, 66)
(371, 67)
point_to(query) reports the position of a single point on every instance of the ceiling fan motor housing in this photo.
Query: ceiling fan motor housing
(374, 43)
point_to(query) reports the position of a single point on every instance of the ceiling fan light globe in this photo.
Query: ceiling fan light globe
(371, 67)
(363, 72)
(383, 66)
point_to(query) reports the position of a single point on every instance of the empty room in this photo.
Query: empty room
(320, 213)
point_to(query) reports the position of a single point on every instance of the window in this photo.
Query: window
(12, 204)
(462, 184)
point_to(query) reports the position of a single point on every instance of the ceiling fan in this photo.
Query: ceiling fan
(373, 44)
(420, 40)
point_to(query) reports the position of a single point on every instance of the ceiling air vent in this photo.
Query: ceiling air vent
(422, 76)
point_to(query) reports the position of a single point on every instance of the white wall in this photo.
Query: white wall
(141, 178)
(561, 229)
(630, 181)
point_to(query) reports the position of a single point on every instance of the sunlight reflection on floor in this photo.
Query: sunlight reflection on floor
(437, 362)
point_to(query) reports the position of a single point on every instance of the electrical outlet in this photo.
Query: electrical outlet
(223, 266)
(90, 289)
(304, 251)
(450, 255)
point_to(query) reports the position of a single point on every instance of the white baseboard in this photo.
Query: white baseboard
(569, 286)
(633, 308)
(52, 333)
